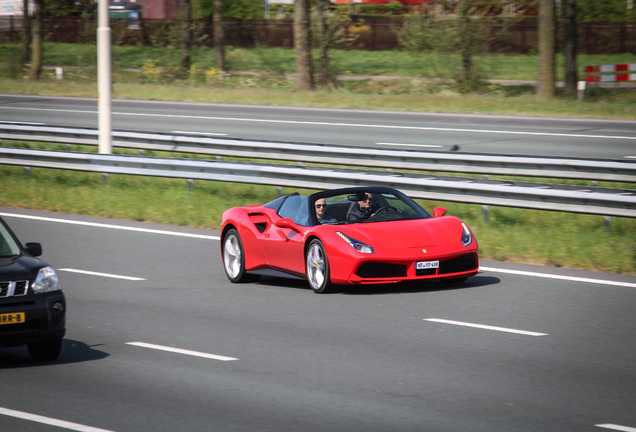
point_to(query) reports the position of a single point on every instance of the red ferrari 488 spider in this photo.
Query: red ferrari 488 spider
(352, 236)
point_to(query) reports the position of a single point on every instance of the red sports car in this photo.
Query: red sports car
(352, 236)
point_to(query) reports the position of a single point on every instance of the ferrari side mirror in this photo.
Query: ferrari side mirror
(286, 223)
(439, 211)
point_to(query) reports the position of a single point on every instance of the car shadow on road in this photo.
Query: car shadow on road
(419, 286)
(72, 352)
(399, 288)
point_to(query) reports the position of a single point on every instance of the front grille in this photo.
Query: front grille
(456, 265)
(370, 270)
(14, 288)
(425, 272)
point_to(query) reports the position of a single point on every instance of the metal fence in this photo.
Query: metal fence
(531, 195)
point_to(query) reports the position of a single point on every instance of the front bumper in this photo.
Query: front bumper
(377, 270)
(45, 318)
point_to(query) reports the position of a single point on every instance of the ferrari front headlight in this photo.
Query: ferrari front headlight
(46, 281)
(467, 237)
(356, 244)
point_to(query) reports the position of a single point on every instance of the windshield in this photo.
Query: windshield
(365, 205)
(8, 246)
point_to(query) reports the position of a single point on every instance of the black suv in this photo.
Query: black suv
(32, 305)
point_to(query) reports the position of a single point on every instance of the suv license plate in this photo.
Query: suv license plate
(12, 318)
(420, 265)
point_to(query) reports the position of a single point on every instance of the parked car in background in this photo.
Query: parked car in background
(32, 304)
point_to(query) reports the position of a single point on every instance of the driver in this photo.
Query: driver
(364, 210)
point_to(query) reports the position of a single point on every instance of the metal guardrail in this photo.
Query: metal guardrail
(562, 168)
(602, 201)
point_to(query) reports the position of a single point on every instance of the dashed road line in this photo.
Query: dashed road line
(108, 275)
(182, 351)
(616, 427)
(485, 327)
(50, 421)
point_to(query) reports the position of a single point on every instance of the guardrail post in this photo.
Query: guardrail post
(580, 87)
(486, 213)
(608, 223)
(190, 185)
(27, 172)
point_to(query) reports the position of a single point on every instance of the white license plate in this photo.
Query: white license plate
(420, 265)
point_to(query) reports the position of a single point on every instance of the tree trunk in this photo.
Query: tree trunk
(324, 72)
(219, 35)
(466, 42)
(570, 46)
(546, 84)
(26, 33)
(186, 36)
(36, 56)
(302, 41)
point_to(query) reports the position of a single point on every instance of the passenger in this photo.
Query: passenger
(321, 212)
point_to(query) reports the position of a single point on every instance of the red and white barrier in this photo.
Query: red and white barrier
(604, 73)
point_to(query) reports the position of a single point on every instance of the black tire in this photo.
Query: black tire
(233, 256)
(46, 350)
(317, 268)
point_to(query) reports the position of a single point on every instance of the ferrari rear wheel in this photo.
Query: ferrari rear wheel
(317, 267)
(234, 258)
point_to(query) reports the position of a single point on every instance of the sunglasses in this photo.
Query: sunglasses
(367, 199)
(321, 205)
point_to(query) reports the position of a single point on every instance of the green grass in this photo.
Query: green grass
(537, 237)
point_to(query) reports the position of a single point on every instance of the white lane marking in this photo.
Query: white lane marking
(181, 351)
(616, 427)
(411, 145)
(560, 277)
(22, 123)
(50, 421)
(359, 125)
(629, 157)
(101, 225)
(108, 275)
(199, 133)
(485, 327)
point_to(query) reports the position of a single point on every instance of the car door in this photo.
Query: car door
(284, 246)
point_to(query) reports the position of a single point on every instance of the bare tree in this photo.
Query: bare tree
(570, 46)
(323, 41)
(219, 35)
(302, 41)
(467, 44)
(36, 55)
(546, 84)
(186, 35)
(26, 33)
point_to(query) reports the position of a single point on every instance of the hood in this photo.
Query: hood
(19, 268)
(407, 234)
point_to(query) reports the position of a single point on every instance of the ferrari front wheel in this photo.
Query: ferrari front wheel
(234, 258)
(317, 267)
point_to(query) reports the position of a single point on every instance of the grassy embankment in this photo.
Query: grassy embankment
(551, 238)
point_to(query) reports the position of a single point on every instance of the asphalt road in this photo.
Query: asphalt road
(581, 138)
(557, 352)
